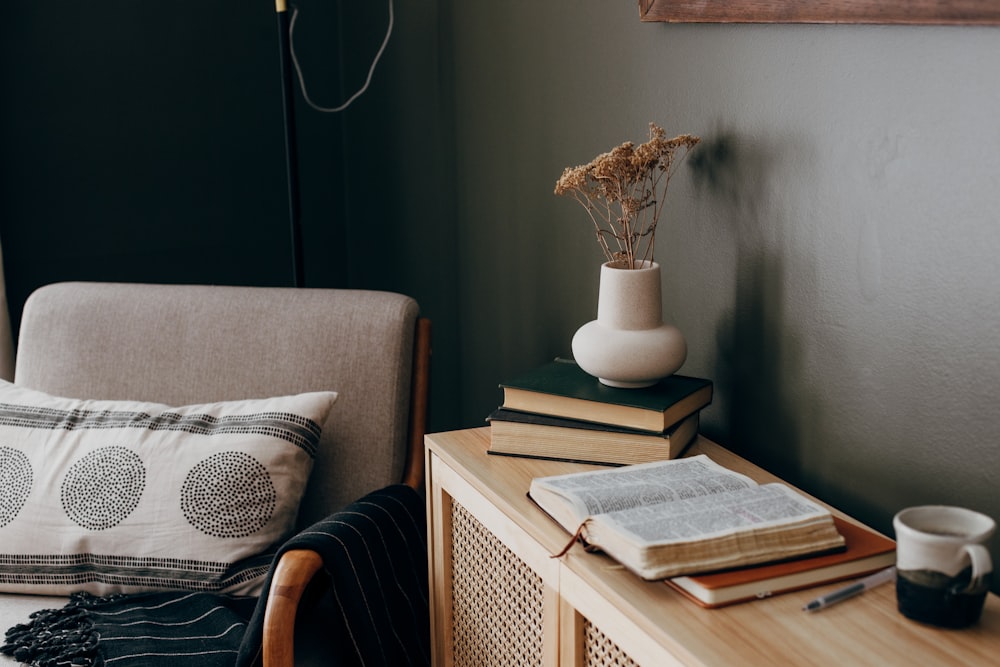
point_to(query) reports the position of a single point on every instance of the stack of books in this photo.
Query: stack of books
(558, 411)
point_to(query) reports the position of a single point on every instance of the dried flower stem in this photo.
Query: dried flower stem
(623, 192)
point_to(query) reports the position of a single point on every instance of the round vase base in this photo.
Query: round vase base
(629, 359)
(627, 385)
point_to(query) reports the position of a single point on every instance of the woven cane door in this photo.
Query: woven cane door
(495, 589)
(498, 613)
(584, 644)
(596, 633)
(599, 650)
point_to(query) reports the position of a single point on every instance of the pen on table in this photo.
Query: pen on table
(871, 581)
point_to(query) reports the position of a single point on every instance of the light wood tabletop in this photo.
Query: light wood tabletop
(866, 630)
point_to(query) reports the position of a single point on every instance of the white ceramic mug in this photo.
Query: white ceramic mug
(943, 565)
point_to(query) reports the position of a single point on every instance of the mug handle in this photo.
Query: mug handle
(982, 565)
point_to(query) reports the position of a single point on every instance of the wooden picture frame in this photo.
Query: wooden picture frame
(909, 12)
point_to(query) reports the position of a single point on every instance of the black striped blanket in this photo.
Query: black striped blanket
(375, 611)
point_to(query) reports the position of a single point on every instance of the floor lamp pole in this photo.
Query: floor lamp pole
(291, 145)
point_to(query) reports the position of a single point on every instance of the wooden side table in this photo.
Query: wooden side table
(499, 598)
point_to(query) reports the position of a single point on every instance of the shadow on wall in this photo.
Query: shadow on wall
(759, 360)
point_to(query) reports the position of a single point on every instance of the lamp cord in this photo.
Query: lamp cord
(371, 70)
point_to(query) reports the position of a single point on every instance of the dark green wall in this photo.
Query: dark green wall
(143, 142)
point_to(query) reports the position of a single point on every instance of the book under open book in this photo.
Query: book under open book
(685, 516)
(866, 552)
(516, 433)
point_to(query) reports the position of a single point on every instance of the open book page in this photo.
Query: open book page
(592, 493)
(714, 515)
(686, 515)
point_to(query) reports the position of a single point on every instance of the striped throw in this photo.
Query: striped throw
(374, 612)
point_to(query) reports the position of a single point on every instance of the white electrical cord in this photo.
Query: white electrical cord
(371, 70)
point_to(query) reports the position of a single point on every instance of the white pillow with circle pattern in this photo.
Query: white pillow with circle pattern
(125, 497)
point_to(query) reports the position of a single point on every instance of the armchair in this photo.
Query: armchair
(186, 344)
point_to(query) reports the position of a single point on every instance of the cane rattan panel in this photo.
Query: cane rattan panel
(497, 599)
(601, 651)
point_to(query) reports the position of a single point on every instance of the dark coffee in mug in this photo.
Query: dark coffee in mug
(931, 597)
(943, 566)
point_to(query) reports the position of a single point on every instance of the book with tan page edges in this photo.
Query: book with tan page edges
(685, 516)
(515, 433)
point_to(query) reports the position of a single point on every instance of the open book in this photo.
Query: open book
(685, 516)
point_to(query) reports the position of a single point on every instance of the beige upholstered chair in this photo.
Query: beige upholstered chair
(184, 344)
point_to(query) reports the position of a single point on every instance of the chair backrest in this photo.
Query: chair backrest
(184, 344)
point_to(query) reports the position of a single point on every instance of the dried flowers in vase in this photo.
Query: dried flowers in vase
(624, 191)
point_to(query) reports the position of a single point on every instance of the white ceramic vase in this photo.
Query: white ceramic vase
(629, 345)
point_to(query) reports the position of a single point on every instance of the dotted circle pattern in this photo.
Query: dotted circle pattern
(229, 494)
(16, 479)
(103, 488)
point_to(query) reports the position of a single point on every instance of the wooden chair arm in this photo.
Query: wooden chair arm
(413, 474)
(293, 573)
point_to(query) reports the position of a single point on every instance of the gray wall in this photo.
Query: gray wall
(833, 261)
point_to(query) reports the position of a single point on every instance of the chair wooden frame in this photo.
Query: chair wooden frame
(297, 569)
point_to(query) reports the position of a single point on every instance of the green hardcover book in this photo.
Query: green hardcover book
(561, 388)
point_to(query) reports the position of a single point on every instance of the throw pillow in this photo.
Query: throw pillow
(124, 496)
